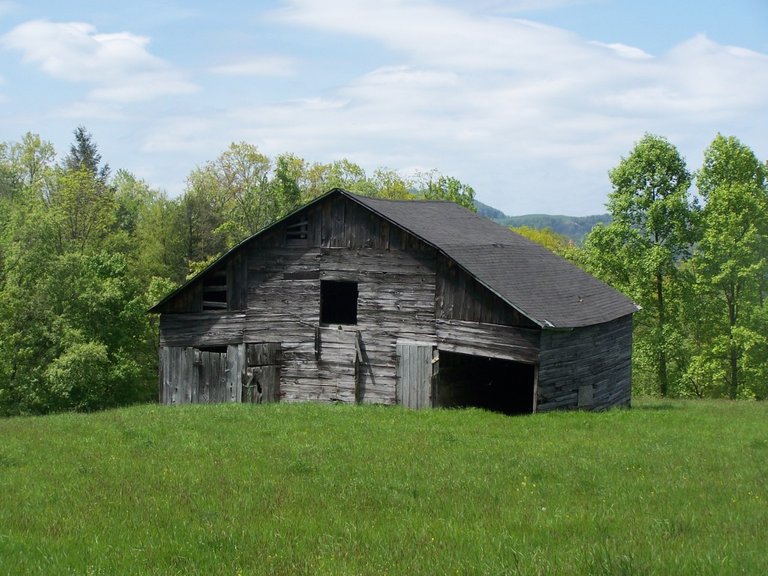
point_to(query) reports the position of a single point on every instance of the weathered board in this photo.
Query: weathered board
(492, 340)
(592, 364)
(203, 329)
(190, 375)
(414, 374)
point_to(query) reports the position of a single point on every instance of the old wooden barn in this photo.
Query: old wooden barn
(423, 304)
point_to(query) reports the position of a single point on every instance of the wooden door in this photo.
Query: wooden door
(212, 377)
(414, 374)
(262, 383)
(191, 375)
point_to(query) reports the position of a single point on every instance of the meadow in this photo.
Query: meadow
(668, 487)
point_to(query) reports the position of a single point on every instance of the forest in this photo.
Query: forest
(85, 252)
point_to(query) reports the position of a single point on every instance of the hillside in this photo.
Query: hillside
(338, 489)
(574, 227)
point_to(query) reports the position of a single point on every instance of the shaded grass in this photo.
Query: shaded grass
(665, 488)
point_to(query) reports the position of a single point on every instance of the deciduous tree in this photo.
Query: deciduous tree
(651, 232)
(731, 268)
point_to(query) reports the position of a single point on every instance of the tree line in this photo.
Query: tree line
(695, 258)
(84, 252)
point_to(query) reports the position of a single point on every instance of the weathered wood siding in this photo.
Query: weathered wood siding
(460, 297)
(588, 368)
(471, 320)
(491, 340)
(189, 375)
(395, 275)
(202, 329)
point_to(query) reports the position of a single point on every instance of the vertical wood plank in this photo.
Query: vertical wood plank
(235, 371)
(414, 375)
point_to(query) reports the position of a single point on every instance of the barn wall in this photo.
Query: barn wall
(587, 368)
(490, 340)
(460, 297)
(396, 292)
(202, 329)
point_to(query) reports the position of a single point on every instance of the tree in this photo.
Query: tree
(84, 154)
(230, 198)
(731, 267)
(434, 186)
(32, 161)
(652, 231)
(389, 184)
(75, 334)
(338, 174)
(289, 182)
(552, 241)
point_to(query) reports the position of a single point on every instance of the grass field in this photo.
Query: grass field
(664, 488)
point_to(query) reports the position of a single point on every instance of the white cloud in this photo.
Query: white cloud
(117, 66)
(485, 94)
(625, 50)
(258, 66)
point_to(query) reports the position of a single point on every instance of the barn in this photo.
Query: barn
(418, 303)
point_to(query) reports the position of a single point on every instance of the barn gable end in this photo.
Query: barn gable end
(365, 304)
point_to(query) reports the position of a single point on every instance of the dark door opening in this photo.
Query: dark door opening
(489, 383)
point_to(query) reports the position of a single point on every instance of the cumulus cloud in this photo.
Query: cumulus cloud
(532, 116)
(484, 92)
(117, 66)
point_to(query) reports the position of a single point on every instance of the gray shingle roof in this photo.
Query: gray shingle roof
(543, 286)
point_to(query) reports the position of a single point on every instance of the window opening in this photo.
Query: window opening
(338, 302)
(215, 290)
(297, 232)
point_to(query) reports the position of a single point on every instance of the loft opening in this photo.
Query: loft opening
(489, 383)
(297, 233)
(338, 302)
(215, 290)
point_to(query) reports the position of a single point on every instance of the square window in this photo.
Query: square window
(338, 302)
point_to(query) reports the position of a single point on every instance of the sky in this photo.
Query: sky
(530, 102)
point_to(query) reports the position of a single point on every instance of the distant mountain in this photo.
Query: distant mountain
(574, 227)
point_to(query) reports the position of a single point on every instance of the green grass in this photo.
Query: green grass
(664, 488)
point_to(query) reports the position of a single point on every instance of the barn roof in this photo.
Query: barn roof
(544, 287)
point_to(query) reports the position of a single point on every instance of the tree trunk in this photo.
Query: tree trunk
(662, 374)
(733, 385)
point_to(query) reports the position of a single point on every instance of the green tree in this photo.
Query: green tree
(434, 186)
(288, 182)
(32, 161)
(75, 334)
(229, 199)
(554, 242)
(389, 184)
(84, 155)
(652, 231)
(730, 267)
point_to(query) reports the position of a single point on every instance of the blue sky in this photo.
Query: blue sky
(529, 101)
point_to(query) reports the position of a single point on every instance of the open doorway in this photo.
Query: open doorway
(489, 383)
